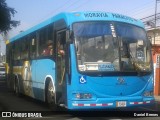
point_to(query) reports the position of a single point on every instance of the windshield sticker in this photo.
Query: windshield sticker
(106, 67)
(82, 67)
(82, 79)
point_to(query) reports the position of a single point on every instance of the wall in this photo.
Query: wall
(155, 40)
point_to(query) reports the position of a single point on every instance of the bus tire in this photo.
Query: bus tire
(16, 90)
(50, 96)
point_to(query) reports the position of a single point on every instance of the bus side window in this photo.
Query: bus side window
(46, 41)
(17, 49)
(25, 49)
(50, 38)
(61, 41)
(42, 41)
(33, 46)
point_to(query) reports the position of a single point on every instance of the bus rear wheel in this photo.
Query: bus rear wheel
(51, 96)
(16, 89)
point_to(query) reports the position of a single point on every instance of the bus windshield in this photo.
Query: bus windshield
(111, 46)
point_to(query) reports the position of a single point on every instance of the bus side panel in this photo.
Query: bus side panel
(44, 68)
(32, 75)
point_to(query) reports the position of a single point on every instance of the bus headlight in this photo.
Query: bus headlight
(148, 93)
(83, 96)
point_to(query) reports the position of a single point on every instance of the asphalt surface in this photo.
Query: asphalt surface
(31, 109)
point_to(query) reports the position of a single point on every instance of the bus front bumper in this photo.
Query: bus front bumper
(104, 103)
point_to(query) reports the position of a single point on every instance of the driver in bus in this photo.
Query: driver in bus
(104, 54)
(99, 51)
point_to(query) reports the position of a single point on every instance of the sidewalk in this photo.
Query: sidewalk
(157, 98)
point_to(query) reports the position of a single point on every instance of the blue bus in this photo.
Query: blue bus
(83, 60)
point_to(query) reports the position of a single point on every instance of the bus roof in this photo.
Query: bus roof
(81, 16)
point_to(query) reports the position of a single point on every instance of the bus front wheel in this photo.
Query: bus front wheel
(51, 96)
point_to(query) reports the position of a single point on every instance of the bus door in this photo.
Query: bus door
(60, 62)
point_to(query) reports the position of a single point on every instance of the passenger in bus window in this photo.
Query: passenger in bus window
(60, 50)
(49, 49)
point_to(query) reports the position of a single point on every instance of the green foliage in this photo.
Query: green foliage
(6, 13)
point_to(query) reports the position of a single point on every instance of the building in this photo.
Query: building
(154, 35)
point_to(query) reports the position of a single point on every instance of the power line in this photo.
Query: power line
(140, 8)
(62, 6)
(59, 7)
(73, 3)
(149, 21)
(149, 16)
(54, 11)
(81, 4)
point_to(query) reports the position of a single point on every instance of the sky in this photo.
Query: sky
(32, 12)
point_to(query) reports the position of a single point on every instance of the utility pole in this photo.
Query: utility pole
(156, 10)
(155, 20)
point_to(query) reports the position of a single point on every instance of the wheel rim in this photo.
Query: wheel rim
(50, 94)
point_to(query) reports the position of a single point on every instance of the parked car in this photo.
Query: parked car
(2, 73)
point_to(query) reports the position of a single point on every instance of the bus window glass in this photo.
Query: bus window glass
(96, 47)
(46, 42)
(17, 51)
(135, 54)
(109, 47)
(33, 46)
(50, 32)
(50, 44)
(25, 48)
(42, 41)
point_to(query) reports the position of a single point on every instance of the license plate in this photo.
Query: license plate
(121, 104)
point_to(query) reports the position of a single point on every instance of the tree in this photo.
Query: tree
(6, 13)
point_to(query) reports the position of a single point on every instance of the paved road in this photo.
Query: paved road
(10, 102)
